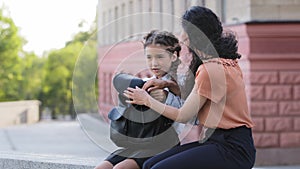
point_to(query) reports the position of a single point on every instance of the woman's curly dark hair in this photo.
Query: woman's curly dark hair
(168, 40)
(205, 33)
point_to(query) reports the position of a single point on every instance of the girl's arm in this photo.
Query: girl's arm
(190, 108)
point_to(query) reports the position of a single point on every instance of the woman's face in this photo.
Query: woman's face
(159, 60)
(184, 39)
(185, 55)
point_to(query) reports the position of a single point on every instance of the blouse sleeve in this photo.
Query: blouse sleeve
(210, 81)
(173, 100)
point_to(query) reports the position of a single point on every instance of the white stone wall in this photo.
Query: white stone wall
(275, 10)
(240, 11)
(17, 112)
(115, 25)
(120, 19)
(237, 11)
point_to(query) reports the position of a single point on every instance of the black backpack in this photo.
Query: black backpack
(138, 126)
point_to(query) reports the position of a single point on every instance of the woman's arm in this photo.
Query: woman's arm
(190, 108)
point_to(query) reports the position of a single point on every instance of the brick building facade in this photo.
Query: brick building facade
(269, 36)
(272, 72)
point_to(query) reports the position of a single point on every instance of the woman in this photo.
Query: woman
(218, 99)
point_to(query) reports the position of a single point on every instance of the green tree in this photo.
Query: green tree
(60, 70)
(85, 81)
(10, 70)
(57, 83)
(32, 75)
(73, 67)
(24, 75)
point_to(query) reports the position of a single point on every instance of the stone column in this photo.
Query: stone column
(100, 23)
(146, 16)
(195, 2)
(137, 21)
(156, 19)
(178, 12)
(168, 15)
(125, 20)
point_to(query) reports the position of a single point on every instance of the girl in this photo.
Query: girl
(218, 99)
(162, 56)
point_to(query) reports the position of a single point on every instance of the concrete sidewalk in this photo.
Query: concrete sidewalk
(62, 138)
(84, 138)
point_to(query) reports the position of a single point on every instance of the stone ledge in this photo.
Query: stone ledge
(12, 160)
(277, 156)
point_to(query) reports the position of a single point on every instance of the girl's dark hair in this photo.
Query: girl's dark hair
(206, 35)
(168, 40)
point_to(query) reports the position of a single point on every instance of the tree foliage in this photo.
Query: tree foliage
(32, 74)
(20, 72)
(85, 85)
(10, 70)
(60, 72)
(57, 83)
(50, 78)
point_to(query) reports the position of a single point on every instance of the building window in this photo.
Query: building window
(140, 5)
(223, 11)
(187, 4)
(203, 2)
(122, 31)
(160, 11)
(139, 16)
(150, 6)
(173, 15)
(110, 18)
(116, 23)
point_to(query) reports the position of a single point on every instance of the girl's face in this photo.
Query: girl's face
(159, 60)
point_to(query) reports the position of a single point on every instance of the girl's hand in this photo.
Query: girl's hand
(137, 96)
(159, 94)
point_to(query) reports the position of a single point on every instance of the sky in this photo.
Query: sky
(48, 24)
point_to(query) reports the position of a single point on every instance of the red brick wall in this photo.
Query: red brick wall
(272, 54)
(128, 57)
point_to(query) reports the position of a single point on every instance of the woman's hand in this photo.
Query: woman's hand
(153, 84)
(137, 96)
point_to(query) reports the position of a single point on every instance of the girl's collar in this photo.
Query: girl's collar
(165, 77)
